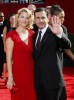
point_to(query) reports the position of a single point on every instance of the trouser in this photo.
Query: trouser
(1, 62)
(54, 94)
(63, 93)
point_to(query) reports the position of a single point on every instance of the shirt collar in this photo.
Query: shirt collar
(1, 23)
(43, 30)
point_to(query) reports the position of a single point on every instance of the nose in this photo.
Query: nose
(41, 20)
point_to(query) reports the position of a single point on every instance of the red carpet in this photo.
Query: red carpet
(69, 78)
(4, 92)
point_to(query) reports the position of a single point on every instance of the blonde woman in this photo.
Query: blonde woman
(19, 58)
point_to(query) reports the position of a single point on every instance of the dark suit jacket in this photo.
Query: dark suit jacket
(1, 40)
(47, 61)
(1, 50)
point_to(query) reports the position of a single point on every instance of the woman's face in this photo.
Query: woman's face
(12, 19)
(23, 19)
(61, 16)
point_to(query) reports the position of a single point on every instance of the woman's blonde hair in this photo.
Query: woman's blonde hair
(31, 19)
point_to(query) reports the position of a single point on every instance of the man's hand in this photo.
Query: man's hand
(56, 25)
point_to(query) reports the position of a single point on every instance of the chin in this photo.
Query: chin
(41, 27)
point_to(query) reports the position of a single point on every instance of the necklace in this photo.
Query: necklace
(23, 34)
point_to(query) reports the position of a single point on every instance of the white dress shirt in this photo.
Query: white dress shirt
(43, 32)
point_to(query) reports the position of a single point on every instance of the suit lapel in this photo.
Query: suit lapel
(34, 39)
(46, 35)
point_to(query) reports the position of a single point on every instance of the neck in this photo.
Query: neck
(12, 25)
(21, 30)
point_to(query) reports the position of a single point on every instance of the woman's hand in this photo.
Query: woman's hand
(10, 83)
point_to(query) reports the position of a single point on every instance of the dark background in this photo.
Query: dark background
(67, 5)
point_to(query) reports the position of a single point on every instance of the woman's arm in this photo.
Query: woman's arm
(69, 53)
(9, 51)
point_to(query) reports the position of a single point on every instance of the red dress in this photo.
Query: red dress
(23, 67)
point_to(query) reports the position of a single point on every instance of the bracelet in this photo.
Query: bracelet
(10, 78)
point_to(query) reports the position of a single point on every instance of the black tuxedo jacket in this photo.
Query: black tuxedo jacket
(47, 60)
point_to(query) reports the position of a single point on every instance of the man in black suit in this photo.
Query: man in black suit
(56, 10)
(48, 74)
(1, 43)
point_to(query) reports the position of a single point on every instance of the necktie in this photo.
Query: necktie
(38, 40)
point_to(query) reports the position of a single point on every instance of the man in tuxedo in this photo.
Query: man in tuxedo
(47, 72)
(1, 43)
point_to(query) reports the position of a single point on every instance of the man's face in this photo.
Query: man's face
(32, 8)
(1, 17)
(41, 19)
